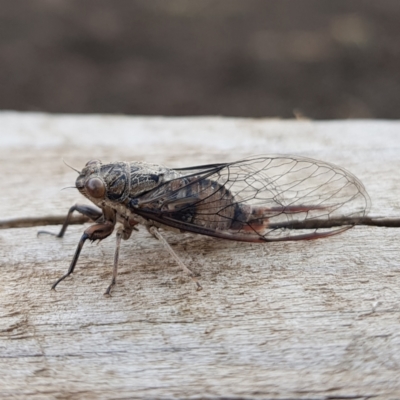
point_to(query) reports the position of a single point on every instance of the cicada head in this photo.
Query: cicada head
(104, 184)
(90, 182)
(100, 183)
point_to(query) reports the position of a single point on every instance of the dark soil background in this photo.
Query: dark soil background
(321, 59)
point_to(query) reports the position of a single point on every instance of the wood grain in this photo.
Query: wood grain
(315, 319)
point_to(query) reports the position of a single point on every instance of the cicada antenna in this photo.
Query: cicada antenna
(68, 187)
(71, 167)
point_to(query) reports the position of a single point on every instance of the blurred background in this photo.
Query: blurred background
(320, 59)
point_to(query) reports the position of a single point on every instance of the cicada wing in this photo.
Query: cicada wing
(264, 198)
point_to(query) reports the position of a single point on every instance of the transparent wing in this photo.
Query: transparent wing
(264, 198)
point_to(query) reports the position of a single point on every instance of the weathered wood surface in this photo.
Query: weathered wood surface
(317, 319)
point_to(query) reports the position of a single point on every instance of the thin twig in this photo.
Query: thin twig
(309, 224)
(40, 221)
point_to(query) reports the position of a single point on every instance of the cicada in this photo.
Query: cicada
(258, 199)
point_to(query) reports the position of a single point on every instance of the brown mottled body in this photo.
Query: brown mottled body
(260, 199)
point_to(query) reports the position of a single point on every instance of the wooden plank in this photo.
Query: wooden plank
(315, 319)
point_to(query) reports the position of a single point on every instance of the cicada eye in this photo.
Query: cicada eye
(95, 188)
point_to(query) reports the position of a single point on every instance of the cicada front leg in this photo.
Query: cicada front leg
(94, 232)
(91, 212)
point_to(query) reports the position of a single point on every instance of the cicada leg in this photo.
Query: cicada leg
(115, 267)
(156, 233)
(94, 232)
(89, 211)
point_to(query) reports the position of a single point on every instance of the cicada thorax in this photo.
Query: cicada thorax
(127, 180)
